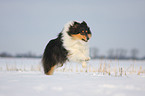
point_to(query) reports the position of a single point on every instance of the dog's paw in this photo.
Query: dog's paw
(83, 58)
(84, 64)
(87, 59)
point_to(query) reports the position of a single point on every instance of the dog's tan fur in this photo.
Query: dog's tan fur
(51, 70)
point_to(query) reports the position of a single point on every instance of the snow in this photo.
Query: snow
(69, 83)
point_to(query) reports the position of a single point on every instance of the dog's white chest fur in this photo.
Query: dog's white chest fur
(78, 51)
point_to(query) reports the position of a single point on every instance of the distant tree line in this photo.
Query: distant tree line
(94, 53)
(116, 54)
(22, 55)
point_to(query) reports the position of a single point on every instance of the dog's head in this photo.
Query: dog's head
(80, 31)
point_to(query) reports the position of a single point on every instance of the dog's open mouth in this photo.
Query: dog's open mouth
(85, 40)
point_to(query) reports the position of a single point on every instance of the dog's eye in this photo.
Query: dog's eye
(83, 32)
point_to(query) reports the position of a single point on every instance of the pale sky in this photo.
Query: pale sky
(27, 25)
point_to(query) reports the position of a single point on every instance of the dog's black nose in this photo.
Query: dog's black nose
(87, 37)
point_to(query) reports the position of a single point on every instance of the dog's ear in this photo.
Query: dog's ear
(76, 24)
(84, 23)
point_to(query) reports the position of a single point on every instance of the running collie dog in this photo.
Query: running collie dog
(70, 45)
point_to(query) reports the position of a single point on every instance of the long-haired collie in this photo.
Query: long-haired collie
(70, 45)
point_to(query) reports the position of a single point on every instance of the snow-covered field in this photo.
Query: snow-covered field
(24, 77)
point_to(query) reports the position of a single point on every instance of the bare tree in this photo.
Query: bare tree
(5, 54)
(94, 52)
(122, 54)
(134, 53)
(117, 54)
(111, 54)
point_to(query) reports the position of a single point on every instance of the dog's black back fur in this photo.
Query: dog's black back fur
(54, 53)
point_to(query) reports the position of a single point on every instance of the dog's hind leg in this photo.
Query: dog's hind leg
(50, 72)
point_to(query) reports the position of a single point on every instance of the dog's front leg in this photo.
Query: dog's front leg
(84, 61)
(77, 56)
(84, 64)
